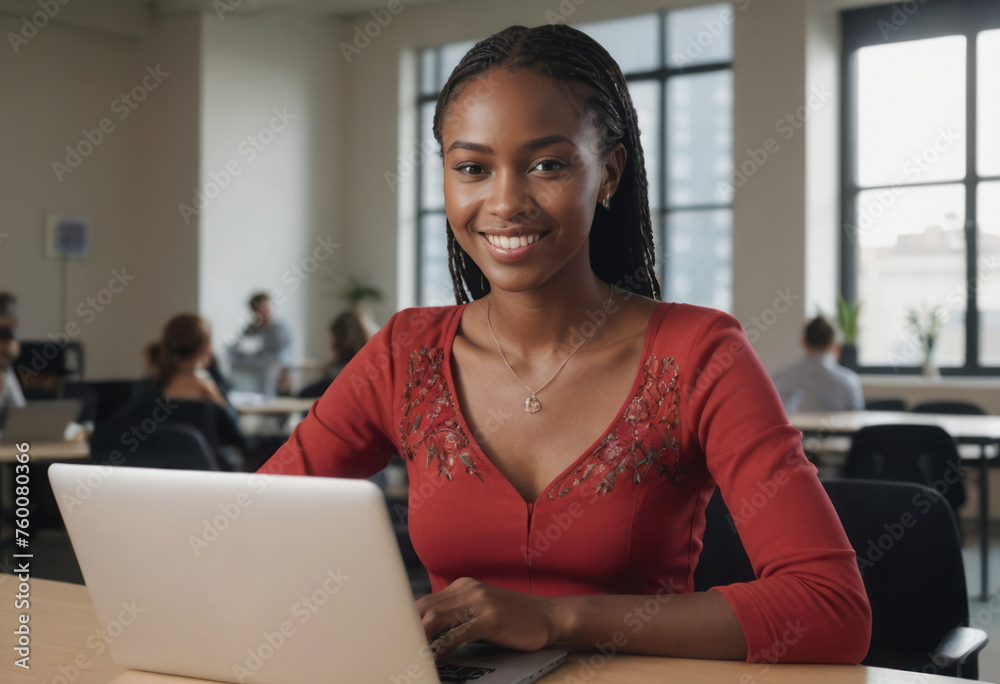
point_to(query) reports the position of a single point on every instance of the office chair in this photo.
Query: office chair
(924, 454)
(885, 405)
(916, 586)
(959, 408)
(169, 445)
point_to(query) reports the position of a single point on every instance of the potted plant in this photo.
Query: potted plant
(847, 321)
(925, 324)
(358, 294)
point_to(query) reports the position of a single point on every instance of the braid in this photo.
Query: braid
(621, 239)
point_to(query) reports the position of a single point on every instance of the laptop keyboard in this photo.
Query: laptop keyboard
(462, 673)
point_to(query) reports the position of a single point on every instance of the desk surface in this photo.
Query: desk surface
(65, 639)
(277, 405)
(48, 451)
(962, 428)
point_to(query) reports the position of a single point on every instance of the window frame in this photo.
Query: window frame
(888, 24)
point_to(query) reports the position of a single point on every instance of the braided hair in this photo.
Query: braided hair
(621, 238)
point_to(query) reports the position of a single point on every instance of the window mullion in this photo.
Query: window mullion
(972, 303)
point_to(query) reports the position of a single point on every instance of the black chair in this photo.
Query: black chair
(101, 398)
(924, 454)
(170, 445)
(315, 390)
(215, 423)
(885, 405)
(959, 408)
(913, 574)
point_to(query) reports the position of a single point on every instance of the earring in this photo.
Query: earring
(606, 202)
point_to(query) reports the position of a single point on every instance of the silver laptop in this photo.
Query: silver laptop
(264, 579)
(39, 421)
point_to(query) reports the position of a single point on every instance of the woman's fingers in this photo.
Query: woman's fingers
(464, 633)
(448, 608)
(445, 617)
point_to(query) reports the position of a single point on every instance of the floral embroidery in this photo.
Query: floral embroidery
(629, 444)
(642, 438)
(430, 419)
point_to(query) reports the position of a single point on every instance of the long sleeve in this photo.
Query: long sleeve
(347, 432)
(809, 602)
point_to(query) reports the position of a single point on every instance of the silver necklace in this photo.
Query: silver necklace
(531, 404)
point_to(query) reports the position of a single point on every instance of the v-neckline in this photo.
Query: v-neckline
(449, 343)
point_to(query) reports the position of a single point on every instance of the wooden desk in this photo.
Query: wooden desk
(48, 451)
(64, 634)
(980, 430)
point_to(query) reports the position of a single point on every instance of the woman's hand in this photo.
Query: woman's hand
(469, 610)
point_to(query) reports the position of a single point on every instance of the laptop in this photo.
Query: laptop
(241, 577)
(39, 421)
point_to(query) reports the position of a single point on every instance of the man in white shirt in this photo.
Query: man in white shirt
(818, 382)
(265, 347)
(10, 349)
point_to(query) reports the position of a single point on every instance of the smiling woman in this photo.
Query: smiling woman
(578, 520)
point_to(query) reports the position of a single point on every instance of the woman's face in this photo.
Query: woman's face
(523, 175)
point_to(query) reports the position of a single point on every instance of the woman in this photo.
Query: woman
(184, 353)
(538, 524)
(347, 337)
(182, 357)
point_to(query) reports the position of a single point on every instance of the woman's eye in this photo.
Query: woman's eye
(548, 165)
(470, 169)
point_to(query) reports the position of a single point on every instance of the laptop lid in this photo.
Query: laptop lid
(39, 421)
(243, 577)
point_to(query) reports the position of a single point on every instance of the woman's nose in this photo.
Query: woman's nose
(509, 197)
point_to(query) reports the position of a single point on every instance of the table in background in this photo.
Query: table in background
(41, 452)
(276, 405)
(63, 620)
(272, 417)
(979, 430)
(48, 451)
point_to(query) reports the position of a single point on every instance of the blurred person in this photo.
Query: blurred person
(818, 382)
(265, 345)
(184, 352)
(10, 350)
(151, 359)
(348, 334)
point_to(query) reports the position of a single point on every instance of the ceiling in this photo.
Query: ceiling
(340, 8)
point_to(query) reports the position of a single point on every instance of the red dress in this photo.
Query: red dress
(627, 516)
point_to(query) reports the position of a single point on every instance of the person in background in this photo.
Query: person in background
(347, 336)
(265, 344)
(818, 382)
(151, 359)
(185, 351)
(10, 349)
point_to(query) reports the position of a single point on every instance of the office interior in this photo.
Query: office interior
(181, 155)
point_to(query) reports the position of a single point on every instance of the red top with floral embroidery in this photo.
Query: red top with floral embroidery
(628, 515)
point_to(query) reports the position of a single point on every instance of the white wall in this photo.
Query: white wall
(62, 82)
(281, 208)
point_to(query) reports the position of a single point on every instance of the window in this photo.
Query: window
(921, 181)
(679, 69)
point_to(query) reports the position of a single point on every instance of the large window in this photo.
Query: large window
(678, 66)
(921, 182)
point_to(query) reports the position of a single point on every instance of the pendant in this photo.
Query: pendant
(532, 405)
